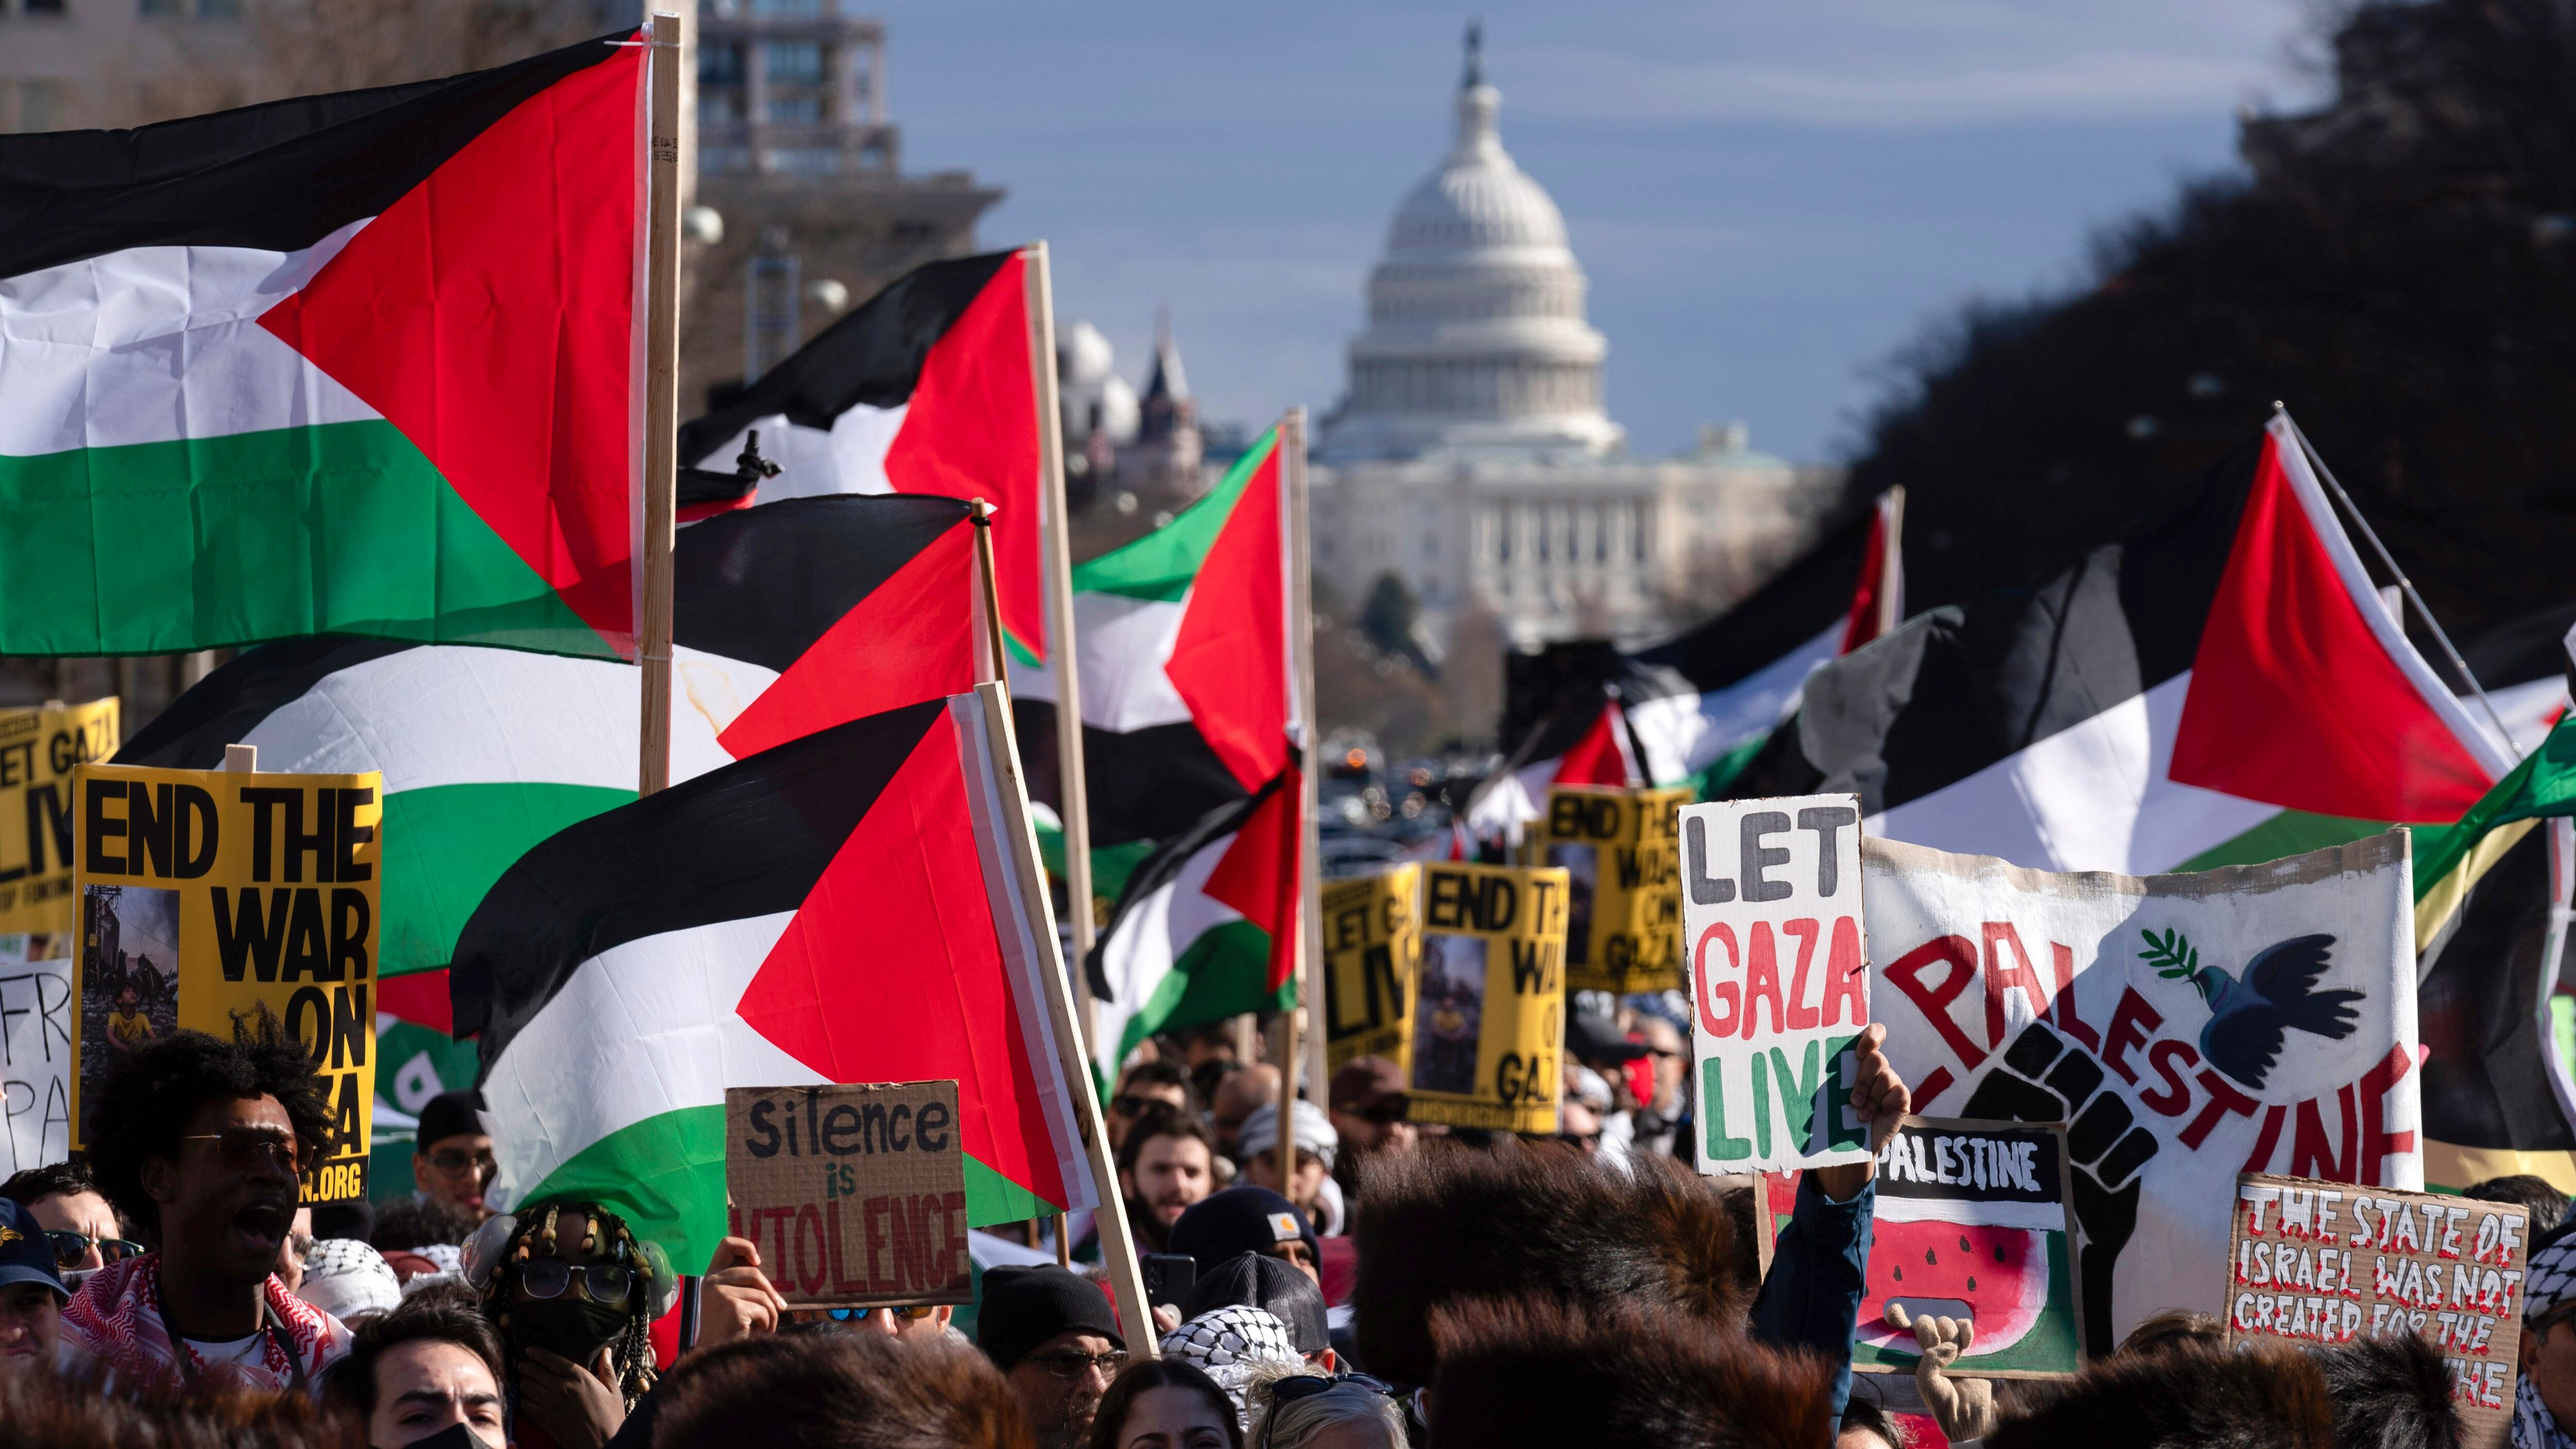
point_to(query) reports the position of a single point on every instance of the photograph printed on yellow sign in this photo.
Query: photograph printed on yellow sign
(38, 749)
(1623, 866)
(1489, 1012)
(207, 895)
(1372, 944)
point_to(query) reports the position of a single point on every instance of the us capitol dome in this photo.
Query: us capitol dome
(1473, 456)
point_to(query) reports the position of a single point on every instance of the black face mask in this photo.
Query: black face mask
(576, 1328)
(454, 1436)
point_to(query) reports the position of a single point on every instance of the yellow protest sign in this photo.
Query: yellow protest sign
(1372, 945)
(207, 893)
(1622, 861)
(1489, 1014)
(38, 748)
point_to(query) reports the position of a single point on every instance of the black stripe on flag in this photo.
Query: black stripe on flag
(1807, 598)
(225, 706)
(278, 177)
(1957, 689)
(746, 840)
(873, 356)
(1157, 870)
(762, 584)
(1147, 784)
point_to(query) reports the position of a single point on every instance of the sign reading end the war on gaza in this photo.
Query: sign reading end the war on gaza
(1779, 978)
(207, 894)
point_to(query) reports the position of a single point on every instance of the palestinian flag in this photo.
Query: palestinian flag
(1184, 664)
(2490, 934)
(1189, 699)
(928, 387)
(840, 908)
(2220, 685)
(789, 619)
(367, 363)
(1694, 709)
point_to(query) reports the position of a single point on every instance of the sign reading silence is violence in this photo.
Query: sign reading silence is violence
(855, 1194)
(205, 894)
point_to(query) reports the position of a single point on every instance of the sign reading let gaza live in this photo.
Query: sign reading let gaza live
(856, 1195)
(39, 749)
(1778, 978)
(206, 894)
(1372, 946)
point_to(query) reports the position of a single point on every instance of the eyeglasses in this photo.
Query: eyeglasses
(70, 1247)
(1664, 1051)
(1381, 1114)
(913, 1312)
(243, 1148)
(453, 1161)
(1073, 1363)
(602, 1282)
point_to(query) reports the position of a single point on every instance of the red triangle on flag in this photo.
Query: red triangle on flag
(1600, 757)
(1259, 873)
(490, 315)
(2295, 700)
(1229, 661)
(891, 970)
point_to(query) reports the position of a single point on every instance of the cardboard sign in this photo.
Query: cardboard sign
(35, 1049)
(39, 749)
(1779, 979)
(855, 1194)
(1489, 1018)
(1372, 947)
(1621, 851)
(2328, 1262)
(2185, 1027)
(1973, 1223)
(206, 893)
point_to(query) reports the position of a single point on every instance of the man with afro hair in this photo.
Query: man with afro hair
(200, 1144)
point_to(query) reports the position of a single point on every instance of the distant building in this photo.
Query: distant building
(797, 157)
(1147, 449)
(1473, 456)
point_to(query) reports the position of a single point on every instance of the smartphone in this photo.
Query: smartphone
(1168, 1277)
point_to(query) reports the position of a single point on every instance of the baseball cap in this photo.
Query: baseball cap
(1240, 1220)
(25, 1255)
(1366, 1082)
(1592, 1037)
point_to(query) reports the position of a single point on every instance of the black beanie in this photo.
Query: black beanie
(1024, 1307)
(1249, 1280)
(449, 1114)
(1241, 1220)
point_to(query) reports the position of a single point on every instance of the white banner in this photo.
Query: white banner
(2186, 1027)
(35, 1049)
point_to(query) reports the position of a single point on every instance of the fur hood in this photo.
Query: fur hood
(2390, 1392)
(2264, 1395)
(1533, 1372)
(1439, 1227)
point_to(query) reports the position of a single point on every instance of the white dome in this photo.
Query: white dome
(1082, 355)
(1478, 200)
(1476, 338)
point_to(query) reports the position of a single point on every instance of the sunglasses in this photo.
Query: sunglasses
(601, 1282)
(1073, 1363)
(243, 1148)
(454, 1161)
(1383, 1113)
(1307, 1386)
(70, 1247)
(912, 1312)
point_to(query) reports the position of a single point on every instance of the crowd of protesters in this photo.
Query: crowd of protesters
(1353, 1280)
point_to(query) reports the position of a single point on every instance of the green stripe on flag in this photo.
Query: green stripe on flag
(2544, 784)
(2291, 832)
(1225, 972)
(666, 1176)
(1163, 564)
(445, 845)
(156, 548)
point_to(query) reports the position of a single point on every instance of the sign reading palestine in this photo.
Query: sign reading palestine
(856, 1195)
(207, 893)
(1973, 1223)
(1622, 858)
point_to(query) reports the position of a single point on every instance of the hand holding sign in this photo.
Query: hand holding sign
(1963, 1408)
(1879, 1098)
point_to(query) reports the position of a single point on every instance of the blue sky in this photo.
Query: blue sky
(1770, 199)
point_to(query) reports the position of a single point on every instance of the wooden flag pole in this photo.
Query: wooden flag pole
(1117, 1248)
(667, 59)
(1305, 1039)
(1072, 793)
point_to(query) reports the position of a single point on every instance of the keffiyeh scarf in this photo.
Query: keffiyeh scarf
(1230, 1344)
(116, 1319)
(2547, 1286)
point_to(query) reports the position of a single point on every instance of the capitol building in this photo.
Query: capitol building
(1473, 456)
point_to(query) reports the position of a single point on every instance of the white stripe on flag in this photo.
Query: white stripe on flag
(641, 1029)
(1125, 643)
(1151, 936)
(813, 462)
(1686, 733)
(155, 344)
(1023, 959)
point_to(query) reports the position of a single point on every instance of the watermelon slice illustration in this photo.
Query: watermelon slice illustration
(1996, 1277)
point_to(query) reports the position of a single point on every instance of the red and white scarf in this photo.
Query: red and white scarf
(115, 1318)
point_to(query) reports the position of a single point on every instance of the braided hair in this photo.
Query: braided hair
(630, 1354)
